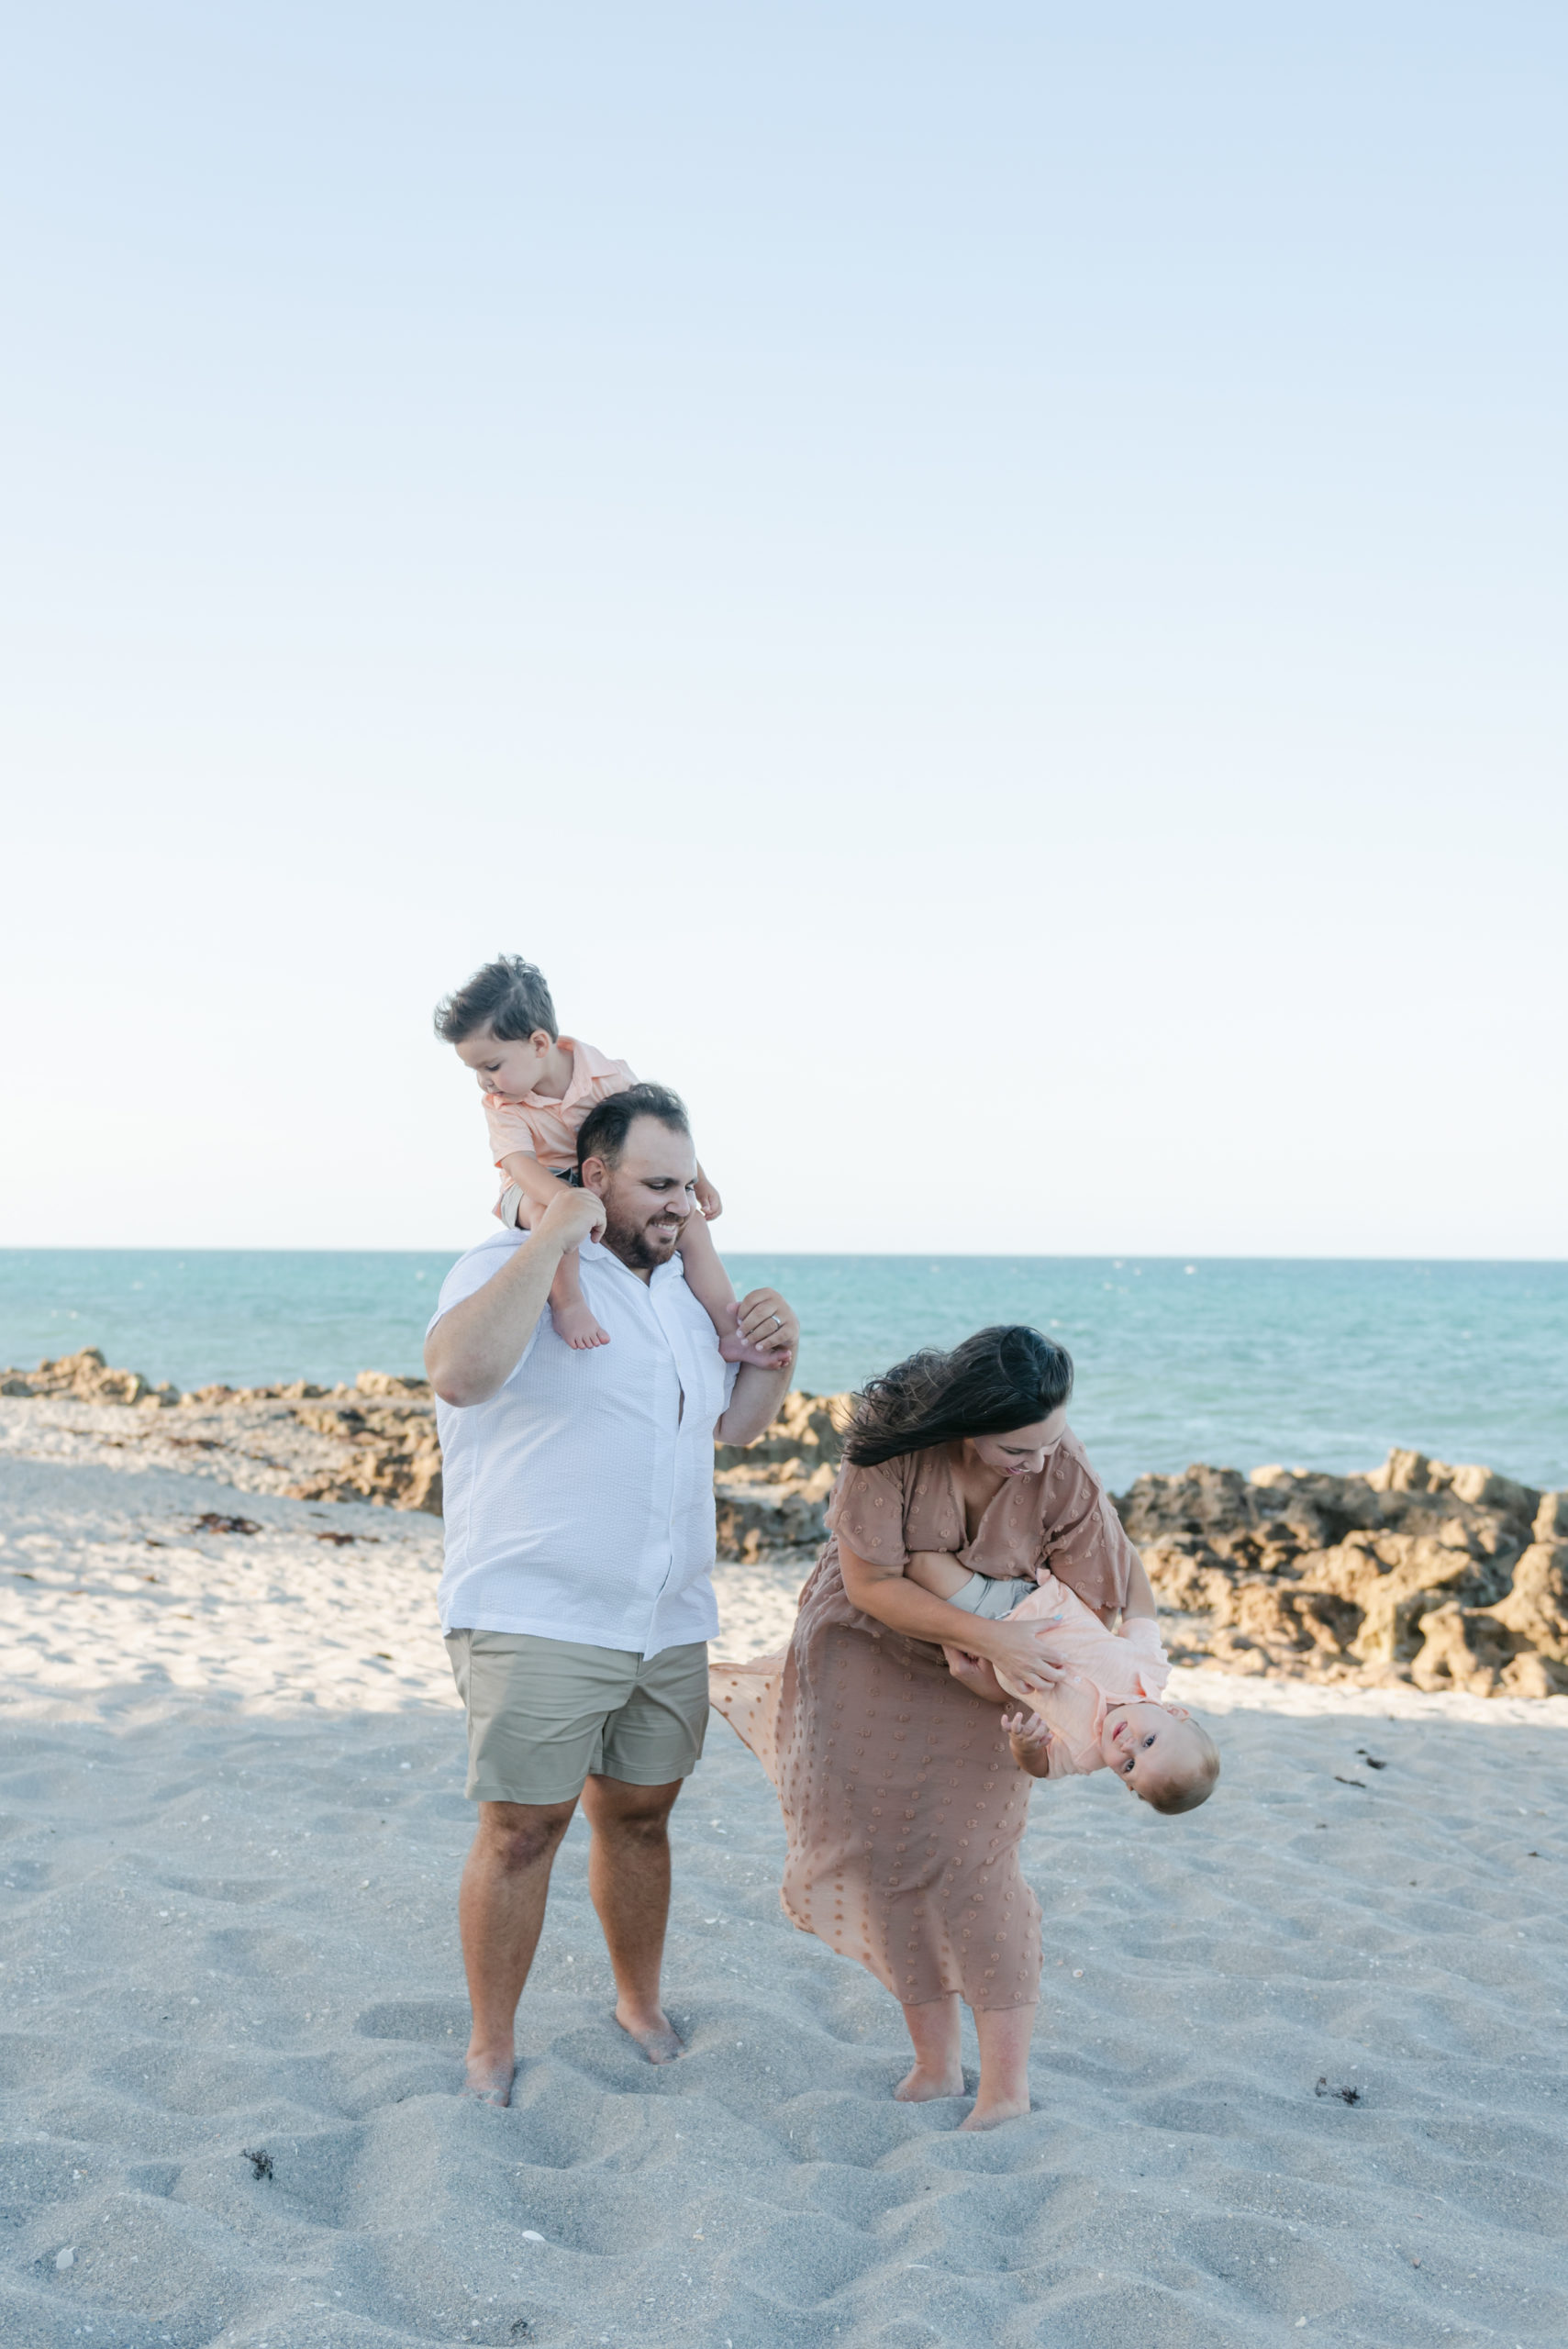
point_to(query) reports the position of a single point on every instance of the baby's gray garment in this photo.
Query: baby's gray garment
(991, 1595)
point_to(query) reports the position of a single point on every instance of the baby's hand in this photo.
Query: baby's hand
(709, 1204)
(1031, 1742)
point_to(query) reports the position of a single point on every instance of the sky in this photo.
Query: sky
(981, 586)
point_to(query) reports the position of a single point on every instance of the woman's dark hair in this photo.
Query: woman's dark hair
(509, 997)
(999, 1379)
(603, 1131)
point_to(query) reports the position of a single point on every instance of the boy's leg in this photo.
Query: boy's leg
(941, 1573)
(569, 1308)
(709, 1284)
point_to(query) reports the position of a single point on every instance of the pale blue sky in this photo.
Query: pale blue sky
(982, 586)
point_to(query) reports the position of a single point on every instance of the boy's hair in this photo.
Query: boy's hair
(1200, 1788)
(509, 997)
(603, 1131)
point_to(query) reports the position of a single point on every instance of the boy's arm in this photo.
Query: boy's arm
(708, 1200)
(537, 1184)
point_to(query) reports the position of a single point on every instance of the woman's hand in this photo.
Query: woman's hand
(974, 1673)
(1014, 1649)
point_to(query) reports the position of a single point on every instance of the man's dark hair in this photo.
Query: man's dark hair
(603, 1131)
(509, 997)
(1001, 1378)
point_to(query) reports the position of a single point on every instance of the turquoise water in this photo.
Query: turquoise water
(1319, 1365)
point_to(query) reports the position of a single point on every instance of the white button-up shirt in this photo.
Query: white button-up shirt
(578, 1499)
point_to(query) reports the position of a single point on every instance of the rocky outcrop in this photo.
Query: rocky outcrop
(380, 1434)
(1450, 1577)
(1419, 1571)
(773, 1494)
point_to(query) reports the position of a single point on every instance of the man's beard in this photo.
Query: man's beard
(635, 1245)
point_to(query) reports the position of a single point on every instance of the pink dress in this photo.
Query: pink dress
(1106, 1665)
(902, 1803)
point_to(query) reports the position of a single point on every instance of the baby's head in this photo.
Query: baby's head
(502, 1024)
(1161, 1753)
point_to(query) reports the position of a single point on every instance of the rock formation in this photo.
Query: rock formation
(1448, 1577)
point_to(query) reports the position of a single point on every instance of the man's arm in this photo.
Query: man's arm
(474, 1349)
(764, 1321)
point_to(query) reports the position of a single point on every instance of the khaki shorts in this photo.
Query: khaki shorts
(544, 1715)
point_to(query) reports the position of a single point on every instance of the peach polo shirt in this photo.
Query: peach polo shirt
(539, 1126)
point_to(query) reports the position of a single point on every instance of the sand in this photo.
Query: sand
(231, 1821)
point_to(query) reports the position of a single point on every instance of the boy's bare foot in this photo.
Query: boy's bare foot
(735, 1349)
(920, 2086)
(577, 1326)
(991, 2116)
(654, 2033)
(488, 2078)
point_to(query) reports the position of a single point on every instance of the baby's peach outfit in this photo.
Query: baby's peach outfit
(540, 1126)
(1106, 1666)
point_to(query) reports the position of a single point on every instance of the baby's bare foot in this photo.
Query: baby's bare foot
(920, 2086)
(735, 1348)
(488, 2078)
(654, 2033)
(991, 2116)
(577, 1326)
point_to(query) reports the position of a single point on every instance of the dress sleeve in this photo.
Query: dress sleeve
(1082, 1541)
(867, 1511)
(510, 1133)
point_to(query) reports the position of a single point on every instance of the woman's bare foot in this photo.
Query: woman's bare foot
(921, 2086)
(488, 2078)
(991, 2116)
(654, 2033)
(577, 1326)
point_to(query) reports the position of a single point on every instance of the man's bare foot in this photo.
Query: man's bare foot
(991, 2116)
(488, 2078)
(920, 2086)
(654, 2033)
(577, 1326)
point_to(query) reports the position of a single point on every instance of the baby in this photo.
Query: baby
(1106, 1715)
(538, 1087)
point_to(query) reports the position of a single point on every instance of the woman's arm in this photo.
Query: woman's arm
(885, 1592)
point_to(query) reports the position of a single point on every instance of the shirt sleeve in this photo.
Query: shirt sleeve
(867, 1511)
(1083, 1540)
(510, 1133)
(475, 1270)
(1143, 1636)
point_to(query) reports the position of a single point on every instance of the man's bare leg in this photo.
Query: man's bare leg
(1003, 2033)
(628, 1879)
(500, 1910)
(934, 2033)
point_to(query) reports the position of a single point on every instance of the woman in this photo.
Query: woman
(903, 1803)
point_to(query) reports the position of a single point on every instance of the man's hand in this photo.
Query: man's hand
(572, 1216)
(765, 1322)
(709, 1204)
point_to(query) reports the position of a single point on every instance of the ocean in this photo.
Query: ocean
(1319, 1365)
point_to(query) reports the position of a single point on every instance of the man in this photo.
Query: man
(576, 1600)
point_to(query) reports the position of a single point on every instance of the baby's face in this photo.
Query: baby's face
(512, 1068)
(1151, 1748)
